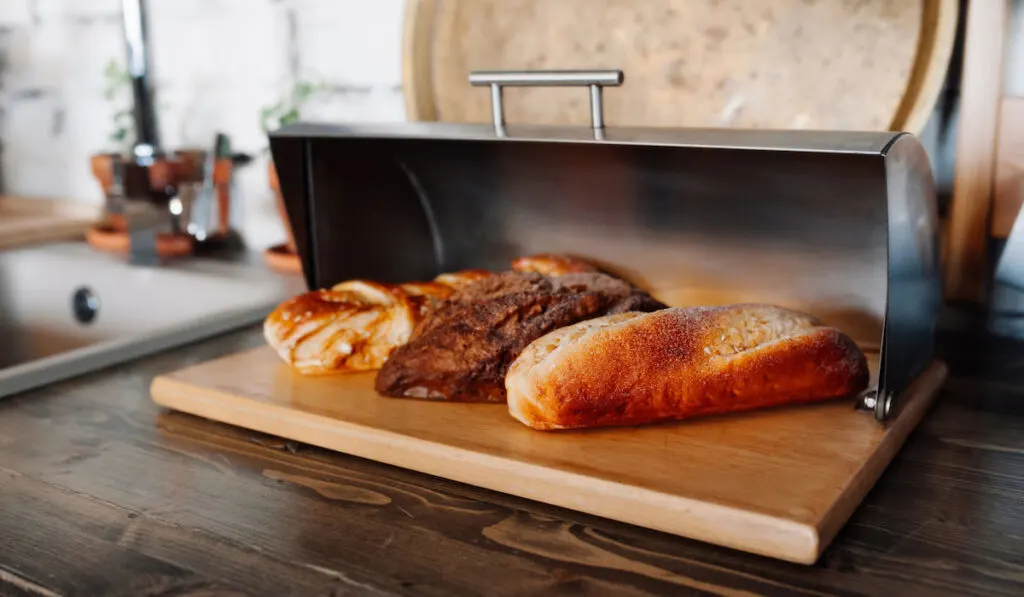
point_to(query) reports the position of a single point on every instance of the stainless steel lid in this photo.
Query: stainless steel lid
(842, 225)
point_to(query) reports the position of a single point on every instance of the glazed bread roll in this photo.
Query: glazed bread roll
(353, 326)
(356, 325)
(552, 265)
(636, 368)
(460, 279)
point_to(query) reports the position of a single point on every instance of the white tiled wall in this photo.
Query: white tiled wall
(216, 63)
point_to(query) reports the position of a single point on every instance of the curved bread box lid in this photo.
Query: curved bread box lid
(789, 64)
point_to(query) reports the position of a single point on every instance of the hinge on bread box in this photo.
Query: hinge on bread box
(869, 400)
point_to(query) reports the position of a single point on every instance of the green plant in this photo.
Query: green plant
(289, 109)
(116, 86)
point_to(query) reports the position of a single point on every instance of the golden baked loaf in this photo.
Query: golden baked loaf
(356, 325)
(636, 368)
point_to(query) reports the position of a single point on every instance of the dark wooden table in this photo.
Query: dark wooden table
(102, 493)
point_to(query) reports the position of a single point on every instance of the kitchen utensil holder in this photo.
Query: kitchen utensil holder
(596, 80)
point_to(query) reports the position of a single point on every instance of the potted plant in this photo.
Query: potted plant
(116, 89)
(111, 233)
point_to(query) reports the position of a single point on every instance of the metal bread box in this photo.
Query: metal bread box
(842, 225)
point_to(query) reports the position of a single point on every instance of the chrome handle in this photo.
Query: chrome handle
(596, 80)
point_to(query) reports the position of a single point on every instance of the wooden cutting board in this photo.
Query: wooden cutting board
(26, 220)
(778, 483)
(813, 64)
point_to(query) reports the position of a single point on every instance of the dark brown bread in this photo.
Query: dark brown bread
(633, 368)
(462, 350)
(355, 325)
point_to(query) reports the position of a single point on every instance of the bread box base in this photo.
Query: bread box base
(779, 483)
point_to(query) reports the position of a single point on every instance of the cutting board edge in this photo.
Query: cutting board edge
(29, 221)
(749, 531)
(770, 535)
(925, 389)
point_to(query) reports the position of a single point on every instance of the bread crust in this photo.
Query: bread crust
(357, 324)
(632, 369)
(550, 264)
(461, 351)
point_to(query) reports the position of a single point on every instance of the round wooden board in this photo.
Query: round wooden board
(825, 64)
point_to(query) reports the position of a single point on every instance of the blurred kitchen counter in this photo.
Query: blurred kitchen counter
(101, 492)
(25, 220)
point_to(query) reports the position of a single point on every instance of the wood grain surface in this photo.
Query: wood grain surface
(26, 220)
(931, 65)
(812, 463)
(966, 253)
(874, 65)
(103, 493)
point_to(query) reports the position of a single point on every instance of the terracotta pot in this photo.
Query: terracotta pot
(162, 173)
(184, 165)
(102, 169)
(108, 238)
(280, 259)
(282, 212)
(189, 164)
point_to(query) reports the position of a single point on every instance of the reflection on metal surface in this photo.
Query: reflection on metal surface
(135, 27)
(915, 291)
(841, 225)
(789, 140)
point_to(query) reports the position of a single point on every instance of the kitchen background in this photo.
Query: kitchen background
(217, 64)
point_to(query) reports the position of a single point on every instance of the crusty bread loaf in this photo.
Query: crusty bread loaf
(461, 351)
(636, 368)
(351, 327)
